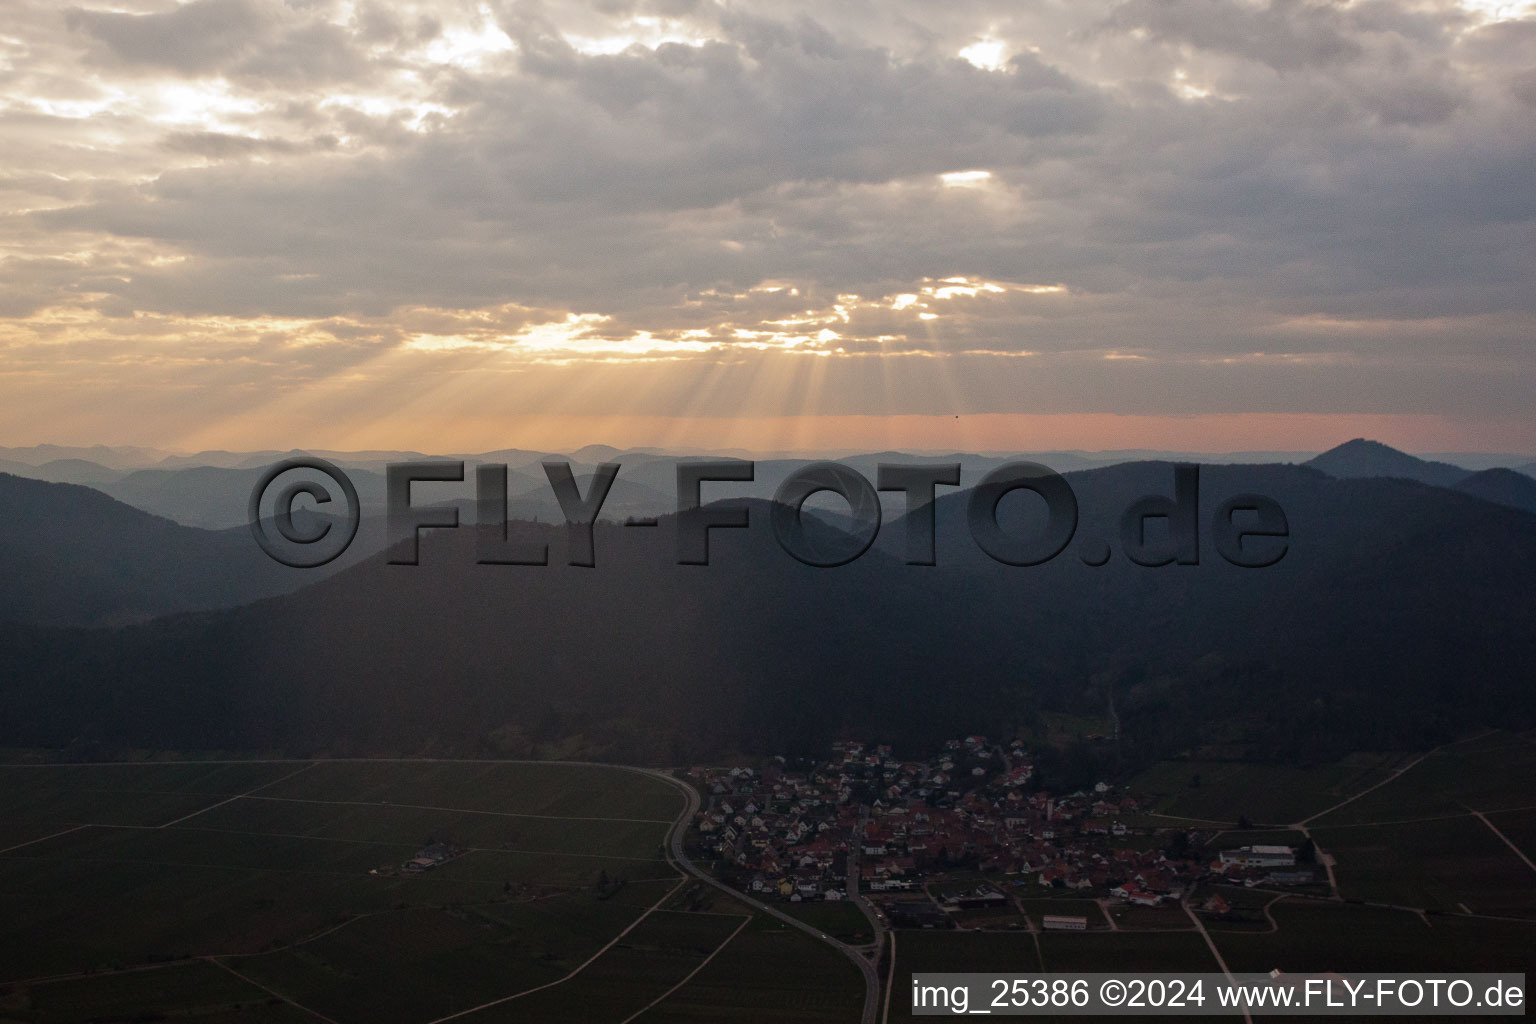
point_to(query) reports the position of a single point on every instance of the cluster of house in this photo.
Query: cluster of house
(1263, 865)
(787, 833)
(425, 859)
(795, 830)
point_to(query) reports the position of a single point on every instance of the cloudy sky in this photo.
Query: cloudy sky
(1209, 224)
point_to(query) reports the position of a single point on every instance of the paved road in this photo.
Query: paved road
(877, 927)
(675, 843)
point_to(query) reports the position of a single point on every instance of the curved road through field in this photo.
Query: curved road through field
(675, 849)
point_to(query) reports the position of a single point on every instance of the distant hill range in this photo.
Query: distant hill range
(210, 489)
(1361, 458)
(72, 556)
(1400, 614)
(215, 497)
(63, 471)
(1501, 486)
(120, 457)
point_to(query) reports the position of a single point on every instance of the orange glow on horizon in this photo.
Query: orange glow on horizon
(991, 432)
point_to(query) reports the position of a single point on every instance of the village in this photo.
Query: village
(932, 842)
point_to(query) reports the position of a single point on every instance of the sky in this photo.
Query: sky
(985, 224)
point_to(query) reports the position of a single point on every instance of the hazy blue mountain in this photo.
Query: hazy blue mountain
(212, 497)
(63, 471)
(210, 489)
(74, 556)
(1362, 458)
(119, 457)
(514, 458)
(216, 458)
(77, 471)
(594, 453)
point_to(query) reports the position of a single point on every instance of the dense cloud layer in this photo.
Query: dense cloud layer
(1158, 206)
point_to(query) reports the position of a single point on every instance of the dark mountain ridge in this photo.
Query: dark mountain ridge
(70, 555)
(1503, 487)
(1399, 614)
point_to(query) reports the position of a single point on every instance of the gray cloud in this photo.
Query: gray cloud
(1283, 205)
(1284, 34)
(201, 36)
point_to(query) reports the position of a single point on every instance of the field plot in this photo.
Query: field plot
(701, 898)
(767, 974)
(1491, 773)
(194, 991)
(501, 848)
(1350, 938)
(140, 793)
(990, 919)
(1225, 791)
(156, 865)
(421, 964)
(642, 967)
(1519, 827)
(273, 893)
(1169, 917)
(1140, 951)
(16, 834)
(839, 919)
(937, 952)
(1450, 864)
(501, 787)
(112, 898)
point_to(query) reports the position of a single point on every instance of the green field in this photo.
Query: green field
(1263, 793)
(1439, 864)
(1141, 951)
(266, 893)
(243, 892)
(1491, 773)
(1318, 936)
(1519, 827)
(993, 918)
(701, 898)
(1168, 917)
(646, 965)
(768, 973)
(497, 787)
(34, 797)
(940, 952)
(195, 990)
(839, 919)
